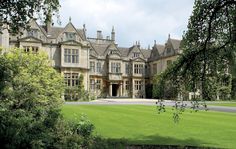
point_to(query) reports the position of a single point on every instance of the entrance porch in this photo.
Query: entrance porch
(115, 89)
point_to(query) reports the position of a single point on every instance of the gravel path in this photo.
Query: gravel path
(148, 102)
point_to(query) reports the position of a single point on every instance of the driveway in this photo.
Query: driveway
(130, 101)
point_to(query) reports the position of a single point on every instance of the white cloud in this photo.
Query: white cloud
(133, 19)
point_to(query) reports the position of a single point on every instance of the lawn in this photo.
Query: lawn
(223, 104)
(142, 125)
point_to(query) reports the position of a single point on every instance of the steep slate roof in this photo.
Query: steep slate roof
(55, 31)
(160, 48)
(99, 48)
(124, 51)
(175, 43)
(81, 33)
(146, 53)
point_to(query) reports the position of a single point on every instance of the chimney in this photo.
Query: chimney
(113, 34)
(48, 23)
(85, 30)
(138, 45)
(99, 34)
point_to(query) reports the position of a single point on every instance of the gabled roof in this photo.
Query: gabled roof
(40, 27)
(175, 43)
(81, 33)
(109, 47)
(133, 48)
(31, 39)
(160, 48)
(146, 53)
(124, 51)
(77, 31)
(99, 48)
(156, 52)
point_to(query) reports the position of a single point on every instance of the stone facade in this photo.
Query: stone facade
(108, 70)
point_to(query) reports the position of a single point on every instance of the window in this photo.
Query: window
(71, 79)
(92, 66)
(92, 84)
(31, 48)
(138, 68)
(126, 85)
(98, 84)
(115, 67)
(75, 56)
(168, 50)
(99, 67)
(127, 68)
(113, 52)
(138, 85)
(154, 68)
(168, 62)
(71, 56)
(33, 33)
(136, 54)
(70, 36)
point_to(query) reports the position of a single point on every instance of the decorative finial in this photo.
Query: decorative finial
(155, 42)
(169, 36)
(70, 19)
(84, 27)
(113, 29)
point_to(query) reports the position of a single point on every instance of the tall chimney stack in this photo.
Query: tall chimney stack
(113, 38)
(99, 34)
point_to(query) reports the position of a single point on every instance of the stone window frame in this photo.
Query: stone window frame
(115, 67)
(139, 68)
(92, 66)
(34, 49)
(138, 85)
(71, 79)
(33, 32)
(127, 68)
(127, 85)
(71, 56)
(70, 35)
(98, 84)
(99, 67)
(92, 84)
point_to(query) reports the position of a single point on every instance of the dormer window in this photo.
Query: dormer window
(136, 54)
(113, 52)
(168, 50)
(70, 36)
(33, 33)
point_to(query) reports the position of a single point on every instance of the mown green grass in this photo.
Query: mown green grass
(223, 104)
(141, 124)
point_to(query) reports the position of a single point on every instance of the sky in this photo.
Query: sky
(133, 20)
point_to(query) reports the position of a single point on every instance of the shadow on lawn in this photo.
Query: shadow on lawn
(156, 141)
(151, 142)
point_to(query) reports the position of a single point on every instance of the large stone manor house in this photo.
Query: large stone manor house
(108, 69)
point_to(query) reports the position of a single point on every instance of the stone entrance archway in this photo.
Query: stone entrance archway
(115, 88)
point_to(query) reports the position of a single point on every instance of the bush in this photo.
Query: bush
(30, 105)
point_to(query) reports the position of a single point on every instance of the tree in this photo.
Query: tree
(30, 94)
(30, 105)
(15, 14)
(208, 48)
